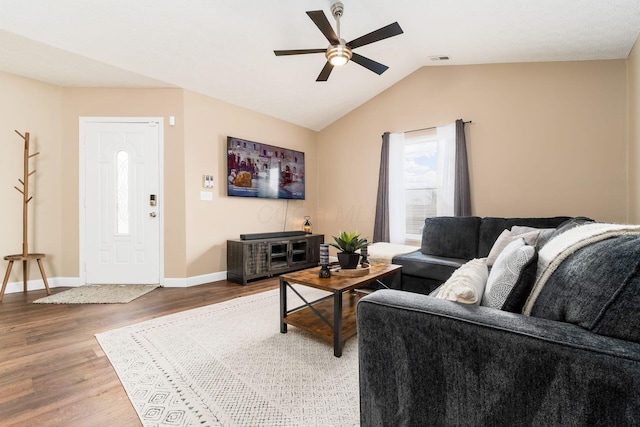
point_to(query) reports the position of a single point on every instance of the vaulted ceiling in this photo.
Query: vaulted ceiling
(224, 48)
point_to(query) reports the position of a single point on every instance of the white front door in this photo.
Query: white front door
(121, 200)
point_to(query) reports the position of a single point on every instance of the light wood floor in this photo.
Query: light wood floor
(53, 372)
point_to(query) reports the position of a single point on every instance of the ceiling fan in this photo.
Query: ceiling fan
(339, 53)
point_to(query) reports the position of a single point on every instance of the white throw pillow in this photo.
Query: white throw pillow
(507, 273)
(466, 284)
(506, 237)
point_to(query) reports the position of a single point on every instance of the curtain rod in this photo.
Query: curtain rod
(429, 128)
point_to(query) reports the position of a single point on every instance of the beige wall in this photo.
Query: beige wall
(633, 75)
(547, 139)
(30, 106)
(209, 224)
(195, 231)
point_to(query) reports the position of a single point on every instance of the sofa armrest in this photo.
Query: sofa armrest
(426, 361)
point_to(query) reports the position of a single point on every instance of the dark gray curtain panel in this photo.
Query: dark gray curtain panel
(462, 193)
(381, 222)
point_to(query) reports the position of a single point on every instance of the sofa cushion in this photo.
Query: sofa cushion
(491, 228)
(419, 285)
(512, 277)
(427, 266)
(451, 237)
(466, 284)
(597, 288)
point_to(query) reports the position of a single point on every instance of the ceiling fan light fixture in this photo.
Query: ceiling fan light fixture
(338, 55)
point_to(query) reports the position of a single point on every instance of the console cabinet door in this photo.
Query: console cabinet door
(278, 255)
(299, 252)
(255, 256)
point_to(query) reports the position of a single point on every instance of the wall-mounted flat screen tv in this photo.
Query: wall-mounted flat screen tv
(261, 170)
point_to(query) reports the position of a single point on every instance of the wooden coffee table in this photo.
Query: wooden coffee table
(333, 317)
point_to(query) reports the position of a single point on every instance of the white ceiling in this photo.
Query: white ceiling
(224, 48)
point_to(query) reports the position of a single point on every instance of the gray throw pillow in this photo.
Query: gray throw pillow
(512, 277)
(543, 237)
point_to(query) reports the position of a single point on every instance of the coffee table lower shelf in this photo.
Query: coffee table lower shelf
(309, 321)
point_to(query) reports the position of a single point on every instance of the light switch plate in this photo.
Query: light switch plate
(207, 181)
(206, 195)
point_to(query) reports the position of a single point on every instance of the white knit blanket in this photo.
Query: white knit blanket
(383, 252)
(561, 247)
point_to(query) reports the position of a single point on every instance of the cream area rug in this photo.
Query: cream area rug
(227, 364)
(98, 294)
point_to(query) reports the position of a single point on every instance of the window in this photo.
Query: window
(122, 192)
(421, 181)
(420, 166)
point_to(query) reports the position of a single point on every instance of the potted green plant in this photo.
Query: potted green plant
(348, 244)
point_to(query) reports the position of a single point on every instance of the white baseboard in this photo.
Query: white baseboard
(58, 282)
(195, 281)
(33, 285)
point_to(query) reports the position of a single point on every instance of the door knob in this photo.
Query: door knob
(152, 214)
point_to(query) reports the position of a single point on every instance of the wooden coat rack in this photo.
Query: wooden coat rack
(25, 256)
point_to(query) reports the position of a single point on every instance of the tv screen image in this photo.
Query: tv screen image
(261, 170)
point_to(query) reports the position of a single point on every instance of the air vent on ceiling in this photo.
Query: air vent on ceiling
(439, 58)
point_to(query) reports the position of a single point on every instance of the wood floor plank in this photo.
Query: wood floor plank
(15, 390)
(53, 372)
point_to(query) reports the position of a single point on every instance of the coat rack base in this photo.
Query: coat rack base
(25, 260)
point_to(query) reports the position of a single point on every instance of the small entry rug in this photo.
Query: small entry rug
(227, 364)
(98, 294)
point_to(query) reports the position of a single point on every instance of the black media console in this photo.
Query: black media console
(261, 255)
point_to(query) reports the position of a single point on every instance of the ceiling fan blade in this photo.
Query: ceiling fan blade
(324, 74)
(370, 64)
(298, 51)
(377, 35)
(320, 19)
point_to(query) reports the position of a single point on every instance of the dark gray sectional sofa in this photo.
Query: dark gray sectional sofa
(449, 242)
(572, 360)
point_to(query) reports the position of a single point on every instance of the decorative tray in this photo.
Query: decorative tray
(351, 272)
